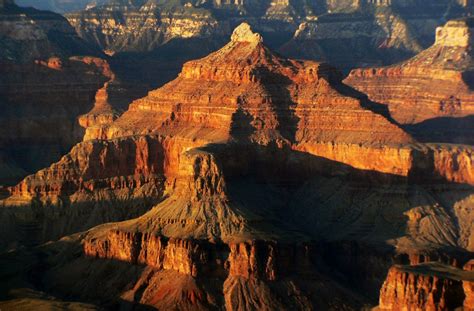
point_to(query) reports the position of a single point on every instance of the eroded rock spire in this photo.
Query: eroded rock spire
(456, 33)
(244, 33)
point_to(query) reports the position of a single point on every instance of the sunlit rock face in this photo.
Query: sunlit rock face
(425, 287)
(468, 286)
(244, 92)
(124, 26)
(250, 181)
(377, 32)
(29, 34)
(439, 102)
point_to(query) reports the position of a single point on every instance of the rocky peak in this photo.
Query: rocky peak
(244, 33)
(456, 33)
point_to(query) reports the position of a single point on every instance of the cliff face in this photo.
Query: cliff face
(122, 178)
(259, 97)
(142, 27)
(256, 101)
(41, 102)
(376, 38)
(244, 275)
(49, 79)
(425, 287)
(468, 287)
(440, 94)
(376, 31)
(28, 34)
(38, 73)
(238, 178)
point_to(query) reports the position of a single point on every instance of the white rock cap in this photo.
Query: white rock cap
(456, 33)
(244, 33)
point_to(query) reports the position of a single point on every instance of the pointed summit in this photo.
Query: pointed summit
(244, 33)
(244, 92)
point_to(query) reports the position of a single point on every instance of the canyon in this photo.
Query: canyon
(47, 81)
(377, 32)
(250, 181)
(438, 105)
(50, 78)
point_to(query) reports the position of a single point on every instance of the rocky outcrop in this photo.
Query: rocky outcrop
(300, 110)
(377, 31)
(468, 287)
(184, 256)
(260, 97)
(96, 182)
(302, 104)
(28, 34)
(249, 274)
(249, 165)
(379, 37)
(440, 94)
(427, 286)
(45, 86)
(454, 163)
(142, 26)
(41, 103)
(111, 165)
(102, 113)
(256, 259)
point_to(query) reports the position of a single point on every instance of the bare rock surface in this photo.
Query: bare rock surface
(251, 181)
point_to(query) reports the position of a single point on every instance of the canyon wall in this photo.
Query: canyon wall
(415, 288)
(257, 101)
(96, 182)
(380, 32)
(250, 181)
(44, 88)
(439, 104)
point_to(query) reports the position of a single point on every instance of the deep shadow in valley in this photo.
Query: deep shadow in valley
(253, 174)
(150, 70)
(451, 130)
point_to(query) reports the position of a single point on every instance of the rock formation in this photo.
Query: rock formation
(468, 286)
(250, 181)
(44, 87)
(142, 26)
(376, 31)
(429, 286)
(259, 97)
(49, 79)
(28, 34)
(438, 105)
(39, 120)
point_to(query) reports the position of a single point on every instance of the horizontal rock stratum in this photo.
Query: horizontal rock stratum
(430, 93)
(251, 181)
